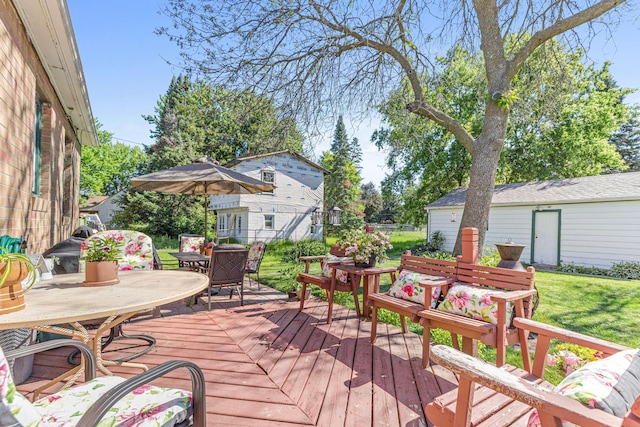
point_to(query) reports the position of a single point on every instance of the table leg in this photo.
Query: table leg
(365, 295)
(95, 342)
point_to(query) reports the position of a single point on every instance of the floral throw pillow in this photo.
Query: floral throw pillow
(326, 270)
(611, 384)
(474, 302)
(407, 286)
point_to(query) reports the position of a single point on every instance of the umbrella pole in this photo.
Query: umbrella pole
(206, 208)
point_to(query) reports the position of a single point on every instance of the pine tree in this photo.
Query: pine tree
(342, 185)
(627, 141)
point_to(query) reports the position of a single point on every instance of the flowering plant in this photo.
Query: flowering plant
(569, 357)
(210, 245)
(103, 247)
(361, 246)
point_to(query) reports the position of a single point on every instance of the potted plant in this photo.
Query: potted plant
(365, 248)
(208, 249)
(101, 255)
(17, 275)
(307, 294)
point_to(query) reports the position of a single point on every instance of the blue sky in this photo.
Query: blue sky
(126, 69)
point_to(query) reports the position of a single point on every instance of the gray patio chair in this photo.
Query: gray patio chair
(101, 398)
(226, 269)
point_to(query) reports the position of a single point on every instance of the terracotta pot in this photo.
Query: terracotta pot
(11, 298)
(101, 273)
(18, 272)
(208, 251)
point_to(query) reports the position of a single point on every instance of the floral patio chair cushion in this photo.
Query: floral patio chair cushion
(474, 302)
(255, 256)
(407, 287)
(332, 259)
(611, 384)
(136, 249)
(191, 243)
(147, 404)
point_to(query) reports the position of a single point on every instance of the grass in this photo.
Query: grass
(600, 307)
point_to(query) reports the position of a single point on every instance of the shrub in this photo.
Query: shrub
(291, 252)
(436, 241)
(490, 257)
(625, 270)
(578, 269)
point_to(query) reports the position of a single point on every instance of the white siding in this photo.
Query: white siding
(299, 189)
(591, 234)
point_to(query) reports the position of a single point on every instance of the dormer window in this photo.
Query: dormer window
(268, 177)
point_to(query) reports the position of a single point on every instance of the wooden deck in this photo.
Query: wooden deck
(266, 363)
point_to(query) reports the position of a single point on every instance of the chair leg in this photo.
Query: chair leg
(242, 292)
(426, 345)
(304, 292)
(330, 301)
(209, 296)
(374, 323)
(258, 278)
(403, 323)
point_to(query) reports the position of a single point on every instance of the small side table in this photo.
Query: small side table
(371, 278)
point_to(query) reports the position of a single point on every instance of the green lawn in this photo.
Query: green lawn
(601, 307)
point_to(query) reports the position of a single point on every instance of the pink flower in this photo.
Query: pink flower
(132, 248)
(486, 299)
(126, 267)
(408, 289)
(142, 389)
(84, 245)
(459, 300)
(551, 361)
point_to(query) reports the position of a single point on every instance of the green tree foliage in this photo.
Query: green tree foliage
(342, 185)
(106, 170)
(627, 142)
(194, 119)
(315, 56)
(372, 200)
(561, 117)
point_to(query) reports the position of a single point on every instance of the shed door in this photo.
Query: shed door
(546, 237)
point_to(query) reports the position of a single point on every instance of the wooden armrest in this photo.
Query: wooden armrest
(311, 258)
(435, 283)
(513, 295)
(550, 331)
(531, 394)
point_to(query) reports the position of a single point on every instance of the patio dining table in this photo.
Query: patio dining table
(60, 304)
(194, 260)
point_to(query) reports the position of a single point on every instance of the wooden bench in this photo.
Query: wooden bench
(329, 284)
(499, 397)
(520, 291)
(430, 266)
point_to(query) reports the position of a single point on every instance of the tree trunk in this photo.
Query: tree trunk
(482, 176)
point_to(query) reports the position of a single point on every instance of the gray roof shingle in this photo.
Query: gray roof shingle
(619, 186)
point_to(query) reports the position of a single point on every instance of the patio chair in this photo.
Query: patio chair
(189, 243)
(254, 259)
(226, 270)
(138, 253)
(603, 393)
(109, 400)
(329, 279)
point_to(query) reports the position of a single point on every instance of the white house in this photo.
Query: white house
(588, 221)
(284, 213)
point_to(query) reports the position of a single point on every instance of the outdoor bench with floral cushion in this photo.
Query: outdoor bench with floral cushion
(602, 393)
(470, 300)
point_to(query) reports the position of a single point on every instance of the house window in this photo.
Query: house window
(221, 222)
(37, 149)
(239, 224)
(268, 222)
(269, 178)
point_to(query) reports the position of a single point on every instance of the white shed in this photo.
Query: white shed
(285, 213)
(588, 221)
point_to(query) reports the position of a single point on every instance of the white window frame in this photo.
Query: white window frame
(264, 175)
(272, 219)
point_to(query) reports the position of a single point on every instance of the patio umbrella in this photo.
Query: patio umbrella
(204, 176)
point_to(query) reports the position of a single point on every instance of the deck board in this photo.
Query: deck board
(267, 363)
